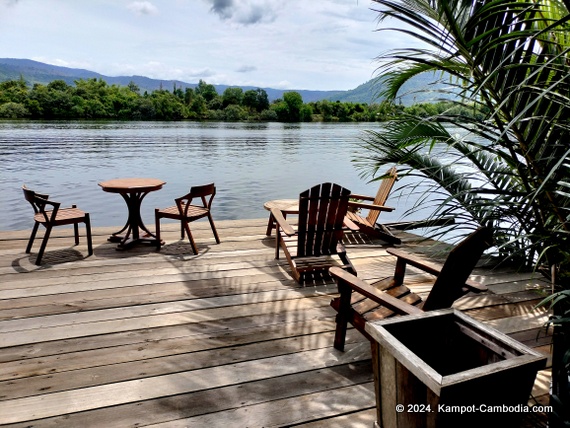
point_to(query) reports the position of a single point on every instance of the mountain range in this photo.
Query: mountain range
(37, 72)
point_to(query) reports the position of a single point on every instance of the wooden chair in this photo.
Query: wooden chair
(369, 224)
(316, 244)
(186, 212)
(360, 302)
(55, 217)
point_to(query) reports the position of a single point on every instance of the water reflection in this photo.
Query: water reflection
(249, 162)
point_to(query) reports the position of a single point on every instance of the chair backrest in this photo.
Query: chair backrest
(459, 264)
(321, 214)
(205, 192)
(38, 201)
(383, 193)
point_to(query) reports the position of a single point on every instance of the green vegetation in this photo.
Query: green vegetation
(512, 169)
(95, 99)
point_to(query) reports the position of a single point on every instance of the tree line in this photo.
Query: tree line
(95, 99)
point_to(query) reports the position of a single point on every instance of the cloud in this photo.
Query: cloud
(143, 8)
(223, 8)
(10, 2)
(246, 69)
(246, 12)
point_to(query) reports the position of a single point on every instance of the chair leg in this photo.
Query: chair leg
(342, 315)
(277, 243)
(32, 237)
(89, 237)
(157, 228)
(190, 238)
(214, 228)
(43, 246)
(76, 232)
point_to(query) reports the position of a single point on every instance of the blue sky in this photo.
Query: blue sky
(286, 44)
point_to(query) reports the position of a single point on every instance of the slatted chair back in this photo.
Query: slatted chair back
(321, 214)
(39, 202)
(205, 193)
(457, 268)
(382, 194)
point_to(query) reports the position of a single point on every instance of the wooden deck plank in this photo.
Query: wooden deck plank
(64, 402)
(224, 338)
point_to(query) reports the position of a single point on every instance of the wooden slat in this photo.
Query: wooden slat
(225, 338)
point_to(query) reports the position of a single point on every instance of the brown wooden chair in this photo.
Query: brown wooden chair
(55, 217)
(187, 212)
(316, 243)
(368, 224)
(360, 302)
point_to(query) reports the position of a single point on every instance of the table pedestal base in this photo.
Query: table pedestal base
(135, 232)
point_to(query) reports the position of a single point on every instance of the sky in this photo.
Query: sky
(282, 44)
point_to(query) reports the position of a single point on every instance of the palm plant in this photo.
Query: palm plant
(509, 169)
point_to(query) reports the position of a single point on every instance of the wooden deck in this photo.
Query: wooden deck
(221, 339)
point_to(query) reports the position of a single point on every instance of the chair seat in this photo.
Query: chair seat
(63, 216)
(354, 217)
(193, 212)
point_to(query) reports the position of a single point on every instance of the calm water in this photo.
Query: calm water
(250, 164)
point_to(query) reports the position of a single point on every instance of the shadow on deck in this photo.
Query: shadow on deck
(224, 338)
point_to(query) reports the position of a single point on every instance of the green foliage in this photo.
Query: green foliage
(233, 96)
(207, 91)
(256, 99)
(510, 76)
(11, 110)
(96, 99)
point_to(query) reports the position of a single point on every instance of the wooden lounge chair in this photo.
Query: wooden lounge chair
(369, 224)
(55, 217)
(360, 302)
(316, 244)
(186, 212)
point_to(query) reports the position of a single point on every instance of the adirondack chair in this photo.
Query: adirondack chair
(53, 217)
(368, 224)
(360, 302)
(316, 244)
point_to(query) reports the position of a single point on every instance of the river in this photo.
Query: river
(250, 163)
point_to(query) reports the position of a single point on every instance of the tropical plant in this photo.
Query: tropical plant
(508, 168)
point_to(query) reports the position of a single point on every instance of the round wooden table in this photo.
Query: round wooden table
(286, 206)
(133, 191)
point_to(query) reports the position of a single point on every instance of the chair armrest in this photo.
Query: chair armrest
(416, 261)
(431, 267)
(350, 224)
(361, 197)
(370, 206)
(280, 220)
(345, 278)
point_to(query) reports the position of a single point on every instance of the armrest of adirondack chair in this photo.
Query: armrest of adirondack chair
(429, 267)
(350, 224)
(361, 197)
(280, 220)
(347, 283)
(370, 206)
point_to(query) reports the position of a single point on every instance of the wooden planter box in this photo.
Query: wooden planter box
(444, 369)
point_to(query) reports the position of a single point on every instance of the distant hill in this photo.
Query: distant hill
(38, 72)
